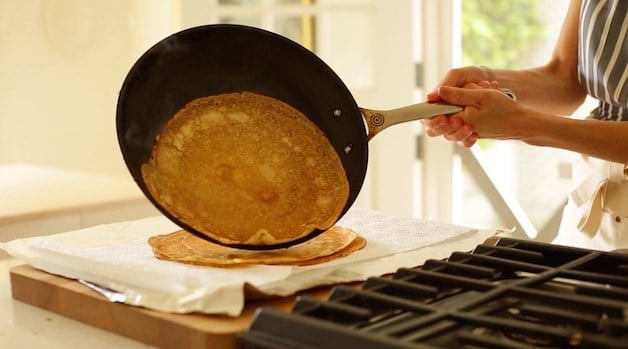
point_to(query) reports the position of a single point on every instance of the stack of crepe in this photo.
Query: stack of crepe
(184, 247)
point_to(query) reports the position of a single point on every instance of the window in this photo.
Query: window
(513, 34)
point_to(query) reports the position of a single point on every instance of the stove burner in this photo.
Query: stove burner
(514, 295)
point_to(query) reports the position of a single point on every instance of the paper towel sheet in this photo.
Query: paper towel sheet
(118, 257)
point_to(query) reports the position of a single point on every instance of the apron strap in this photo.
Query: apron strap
(617, 172)
(591, 212)
(590, 195)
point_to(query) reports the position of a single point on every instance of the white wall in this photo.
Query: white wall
(62, 63)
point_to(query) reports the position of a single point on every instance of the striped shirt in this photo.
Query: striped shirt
(603, 55)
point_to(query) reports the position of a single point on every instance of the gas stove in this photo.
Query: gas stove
(515, 294)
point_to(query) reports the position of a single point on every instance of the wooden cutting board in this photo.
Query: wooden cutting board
(69, 298)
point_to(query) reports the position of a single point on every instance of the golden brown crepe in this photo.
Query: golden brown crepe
(184, 247)
(244, 168)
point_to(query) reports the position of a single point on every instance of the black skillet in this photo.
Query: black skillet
(215, 59)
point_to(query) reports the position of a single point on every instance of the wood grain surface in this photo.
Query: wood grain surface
(69, 298)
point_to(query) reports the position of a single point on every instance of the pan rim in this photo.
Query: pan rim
(140, 67)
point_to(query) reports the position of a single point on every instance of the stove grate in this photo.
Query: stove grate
(516, 294)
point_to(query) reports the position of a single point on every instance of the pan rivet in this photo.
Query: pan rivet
(348, 149)
(337, 113)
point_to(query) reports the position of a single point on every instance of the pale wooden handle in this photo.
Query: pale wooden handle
(378, 120)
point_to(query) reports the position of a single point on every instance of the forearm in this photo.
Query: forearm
(601, 139)
(548, 89)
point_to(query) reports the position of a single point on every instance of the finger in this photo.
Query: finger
(433, 96)
(438, 131)
(472, 85)
(458, 96)
(485, 84)
(460, 76)
(495, 84)
(435, 132)
(436, 121)
(434, 129)
(459, 134)
(441, 125)
(469, 141)
(455, 122)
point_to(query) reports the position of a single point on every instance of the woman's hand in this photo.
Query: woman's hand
(487, 111)
(451, 128)
(454, 128)
(463, 77)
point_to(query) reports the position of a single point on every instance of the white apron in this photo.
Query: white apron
(596, 214)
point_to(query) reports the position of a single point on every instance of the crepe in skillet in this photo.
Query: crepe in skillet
(246, 169)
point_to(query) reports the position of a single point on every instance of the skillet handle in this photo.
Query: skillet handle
(378, 120)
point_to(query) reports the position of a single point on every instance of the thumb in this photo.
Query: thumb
(457, 95)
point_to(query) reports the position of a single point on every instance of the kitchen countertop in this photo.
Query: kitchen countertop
(73, 200)
(29, 325)
(32, 327)
(26, 326)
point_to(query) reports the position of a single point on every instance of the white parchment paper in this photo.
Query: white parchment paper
(118, 256)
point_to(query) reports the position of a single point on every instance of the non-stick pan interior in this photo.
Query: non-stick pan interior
(217, 59)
